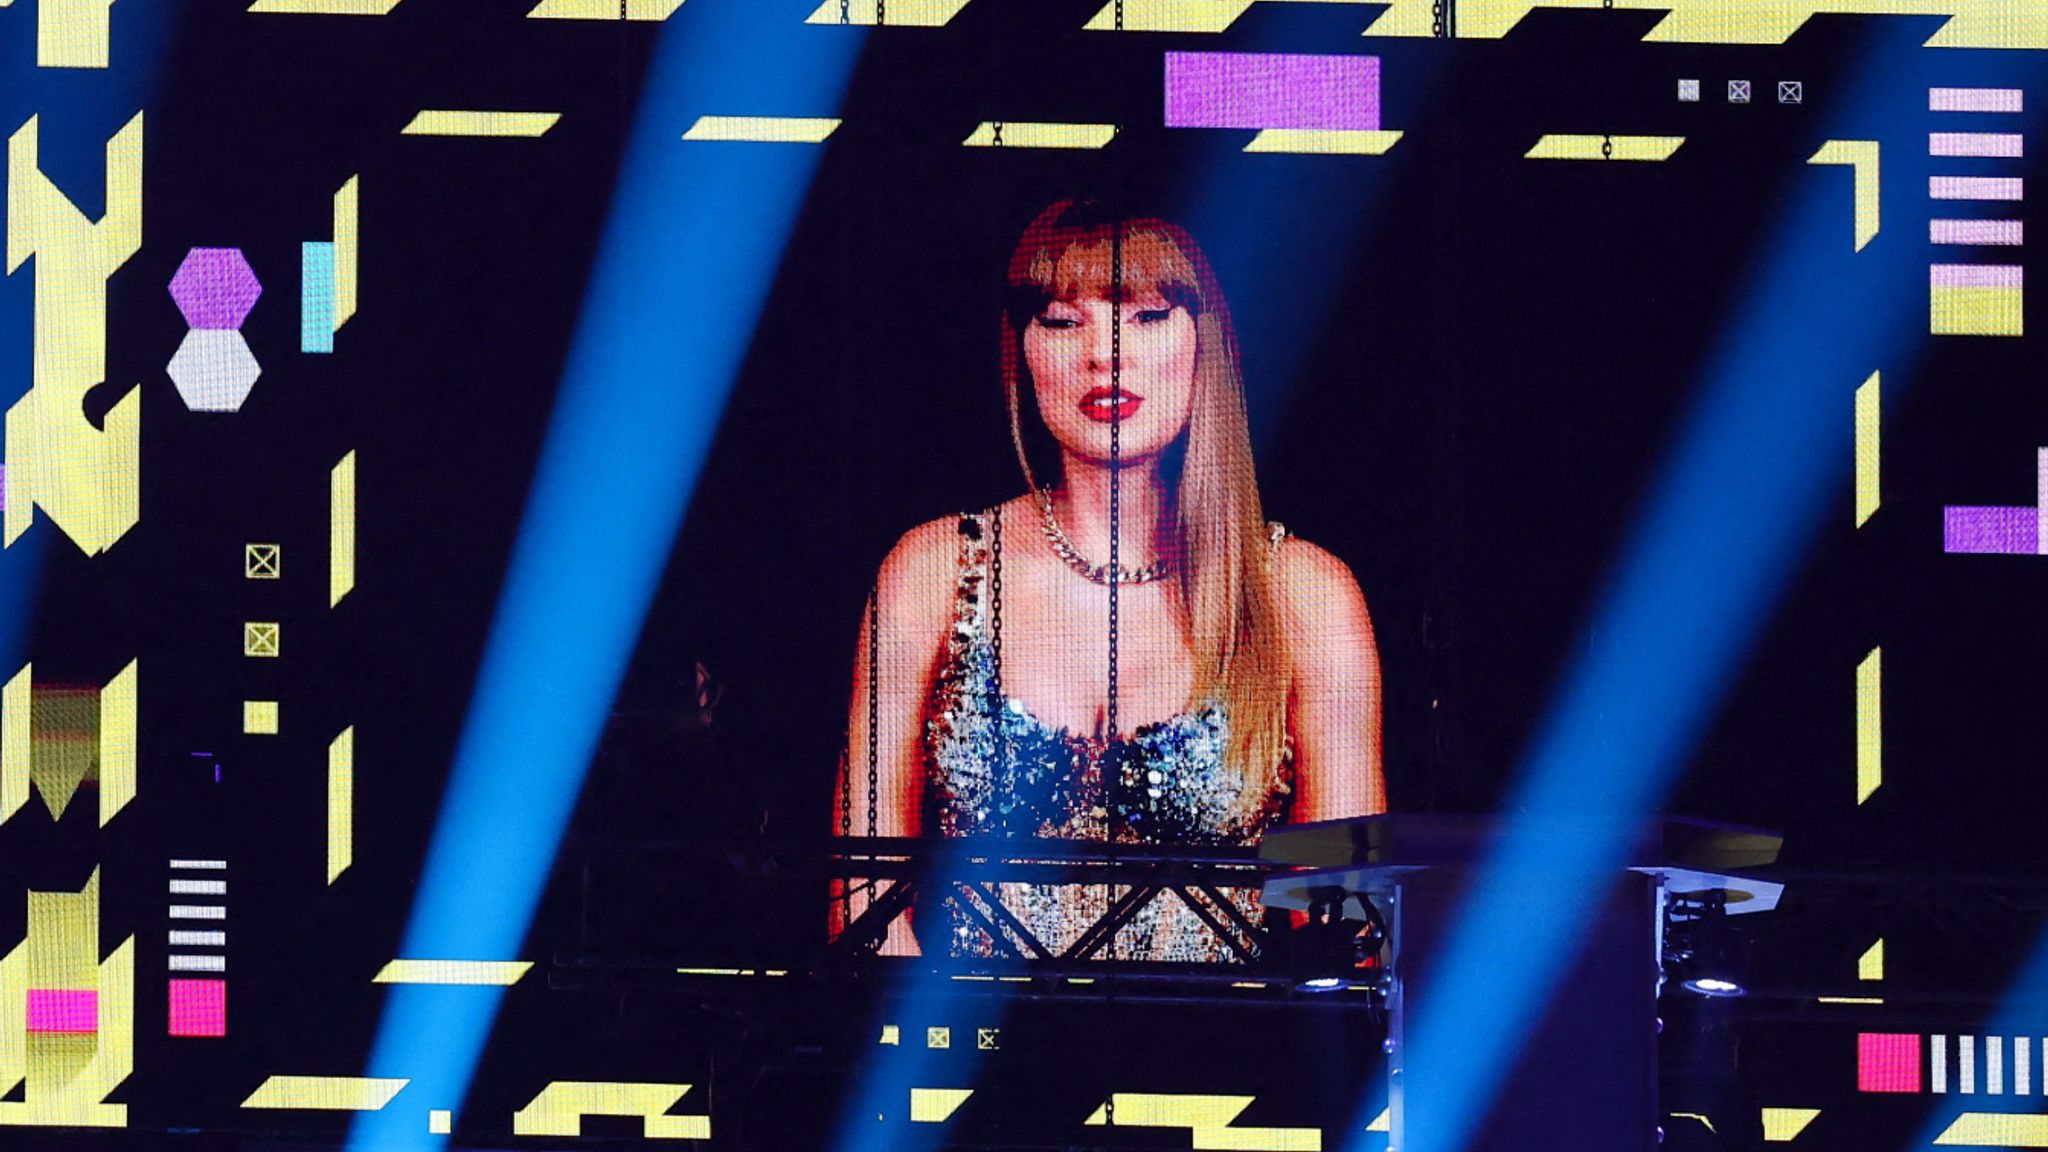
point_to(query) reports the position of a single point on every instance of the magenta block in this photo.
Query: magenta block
(2005, 531)
(199, 1008)
(63, 1010)
(1272, 90)
(1887, 1062)
(215, 288)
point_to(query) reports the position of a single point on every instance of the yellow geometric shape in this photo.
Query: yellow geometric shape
(763, 129)
(327, 7)
(85, 478)
(341, 529)
(1848, 999)
(1323, 141)
(936, 1105)
(603, 9)
(1972, 23)
(458, 122)
(117, 743)
(72, 33)
(17, 745)
(1384, 1122)
(347, 210)
(259, 717)
(440, 1121)
(1971, 311)
(341, 803)
(1861, 156)
(1185, 15)
(892, 1034)
(326, 1093)
(938, 1037)
(1868, 494)
(259, 638)
(67, 1077)
(1035, 134)
(1997, 1130)
(988, 1039)
(1869, 724)
(895, 13)
(1569, 147)
(561, 1106)
(1782, 1124)
(501, 973)
(1870, 965)
(1209, 1119)
(66, 741)
(262, 561)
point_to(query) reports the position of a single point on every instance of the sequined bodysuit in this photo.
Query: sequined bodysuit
(997, 770)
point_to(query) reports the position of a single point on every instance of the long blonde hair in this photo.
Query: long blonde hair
(1220, 540)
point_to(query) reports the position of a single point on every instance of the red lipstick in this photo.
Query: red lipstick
(1104, 405)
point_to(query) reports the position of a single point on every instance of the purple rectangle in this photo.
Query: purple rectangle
(63, 1010)
(2004, 531)
(1975, 100)
(1976, 187)
(2002, 145)
(2009, 233)
(1272, 90)
(1975, 275)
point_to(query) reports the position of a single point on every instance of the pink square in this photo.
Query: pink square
(1887, 1062)
(199, 1007)
(63, 1010)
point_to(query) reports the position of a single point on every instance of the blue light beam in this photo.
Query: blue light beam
(691, 248)
(1725, 527)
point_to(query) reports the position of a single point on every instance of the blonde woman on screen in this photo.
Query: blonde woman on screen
(1247, 679)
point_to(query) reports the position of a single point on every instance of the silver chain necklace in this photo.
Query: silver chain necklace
(1071, 556)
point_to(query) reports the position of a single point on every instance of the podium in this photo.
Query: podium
(1583, 1074)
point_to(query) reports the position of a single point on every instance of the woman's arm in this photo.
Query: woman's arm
(915, 594)
(1334, 709)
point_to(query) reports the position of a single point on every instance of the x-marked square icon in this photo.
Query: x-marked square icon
(1738, 91)
(1791, 92)
(938, 1037)
(988, 1039)
(1689, 91)
(259, 639)
(262, 561)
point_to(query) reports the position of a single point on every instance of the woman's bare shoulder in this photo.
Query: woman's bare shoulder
(1319, 594)
(918, 574)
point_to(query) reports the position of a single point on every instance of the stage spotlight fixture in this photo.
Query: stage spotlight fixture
(1703, 949)
(1337, 946)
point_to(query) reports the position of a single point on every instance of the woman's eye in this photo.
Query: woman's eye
(1055, 322)
(1153, 315)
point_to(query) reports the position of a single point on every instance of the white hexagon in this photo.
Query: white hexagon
(214, 370)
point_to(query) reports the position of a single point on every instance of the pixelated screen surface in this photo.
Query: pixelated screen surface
(663, 538)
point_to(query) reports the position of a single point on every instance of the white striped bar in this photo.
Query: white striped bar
(198, 912)
(199, 887)
(199, 963)
(201, 865)
(190, 939)
(2002, 145)
(1976, 275)
(2023, 1066)
(1976, 100)
(2000, 233)
(1966, 1065)
(1994, 1065)
(2002, 188)
(1937, 1064)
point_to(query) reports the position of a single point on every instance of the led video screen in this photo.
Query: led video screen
(536, 534)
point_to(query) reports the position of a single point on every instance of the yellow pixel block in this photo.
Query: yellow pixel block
(347, 240)
(325, 1093)
(460, 122)
(1782, 1124)
(561, 1106)
(65, 1077)
(1969, 311)
(1209, 1118)
(1997, 1130)
(896, 13)
(1638, 148)
(1869, 724)
(341, 803)
(763, 129)
(1324, 141)
(440, 1121)
(1870, 965)
(341, 529)
(1861, 156)
(603, 9)
(501, 973)
(936, 1105)
(117, 743)
(1032, 134)
(1190, 15)
(85, 479)
(326, 7)
(72, 33)
(259, 717)
(1868, 493)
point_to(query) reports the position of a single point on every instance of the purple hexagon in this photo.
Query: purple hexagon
(215, 288)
